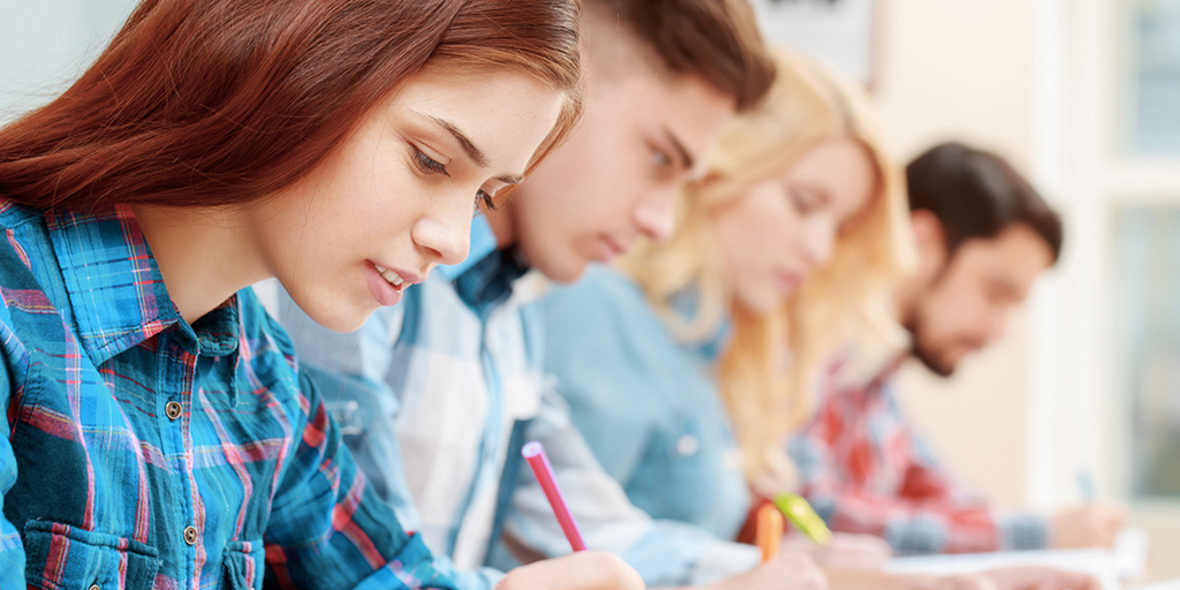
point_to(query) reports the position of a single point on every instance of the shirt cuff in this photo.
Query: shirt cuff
(412, 567)
(676, 554)
(1022, 532)
(920, 534)
(724, 560)
(480, 578)
(484, 578)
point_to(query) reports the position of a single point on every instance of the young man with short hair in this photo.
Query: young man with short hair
(984, 235)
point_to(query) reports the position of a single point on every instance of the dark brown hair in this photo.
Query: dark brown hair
(977, 194)
(211, 102)
(715, 39)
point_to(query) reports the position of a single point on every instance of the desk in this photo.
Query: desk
(1169, 585)
(1110, 566)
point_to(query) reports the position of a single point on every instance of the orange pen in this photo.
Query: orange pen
(769, 531)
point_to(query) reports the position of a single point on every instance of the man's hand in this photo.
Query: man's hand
(1093, 525)
(1041, 578)
(585, 570)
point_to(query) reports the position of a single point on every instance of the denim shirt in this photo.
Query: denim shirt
(140, 451)
(646, 403)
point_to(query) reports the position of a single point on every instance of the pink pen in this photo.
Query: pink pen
(534, 453)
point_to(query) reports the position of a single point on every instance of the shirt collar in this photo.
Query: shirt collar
(855, 379)
(488, 282)
(115, 288)
(485, 277)
(709, 347)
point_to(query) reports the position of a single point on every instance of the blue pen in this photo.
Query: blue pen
(1086, 486)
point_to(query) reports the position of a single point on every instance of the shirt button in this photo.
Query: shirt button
(190, 535)
(172, 409)
(687, 445)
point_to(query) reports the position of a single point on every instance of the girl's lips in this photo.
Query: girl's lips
(400, 278)
(789, 281)
(385, 293)
(608, 250)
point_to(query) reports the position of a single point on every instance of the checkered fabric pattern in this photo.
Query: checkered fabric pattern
(866, 470)
(142, 452)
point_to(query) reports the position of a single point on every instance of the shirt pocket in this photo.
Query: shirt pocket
(242, 565)
(62, 557)
(688, 488)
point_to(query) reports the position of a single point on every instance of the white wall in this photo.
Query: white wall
(45, 44)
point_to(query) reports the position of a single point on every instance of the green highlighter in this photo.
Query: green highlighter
(800, 513)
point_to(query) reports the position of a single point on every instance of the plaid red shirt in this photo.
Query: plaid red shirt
(865, 470)
(141, 452)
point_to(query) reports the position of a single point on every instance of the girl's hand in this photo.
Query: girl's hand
(585, 570)
(844, 551)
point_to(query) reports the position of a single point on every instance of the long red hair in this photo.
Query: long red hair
(213, 102)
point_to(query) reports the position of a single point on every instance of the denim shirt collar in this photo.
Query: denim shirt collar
(709, 348)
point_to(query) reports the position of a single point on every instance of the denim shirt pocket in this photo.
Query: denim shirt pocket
(62, 557)
(686, 451)
(242, 565)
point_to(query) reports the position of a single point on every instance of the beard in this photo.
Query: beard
(927, 355)
(932, 362)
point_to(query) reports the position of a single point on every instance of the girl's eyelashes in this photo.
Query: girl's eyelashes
(662, 166)
(484, 199)
(427, 164)
(660, 159)
(803, 200)
(798, 200)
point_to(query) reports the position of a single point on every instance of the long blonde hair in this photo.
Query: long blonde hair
(766, 370)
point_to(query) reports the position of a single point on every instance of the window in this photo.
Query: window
(1155, 56)
(1146, 298)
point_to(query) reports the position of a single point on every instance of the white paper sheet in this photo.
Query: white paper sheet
(1126, 561)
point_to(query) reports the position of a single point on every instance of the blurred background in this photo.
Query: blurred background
(1084, 95)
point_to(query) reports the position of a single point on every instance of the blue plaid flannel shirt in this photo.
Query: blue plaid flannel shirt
(142, 452)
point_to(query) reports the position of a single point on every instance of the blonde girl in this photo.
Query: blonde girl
(686, 367)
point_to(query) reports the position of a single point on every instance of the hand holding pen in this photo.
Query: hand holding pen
(584, 570)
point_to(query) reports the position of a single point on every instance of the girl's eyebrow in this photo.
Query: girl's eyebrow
(468, 146)
(510, 178)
